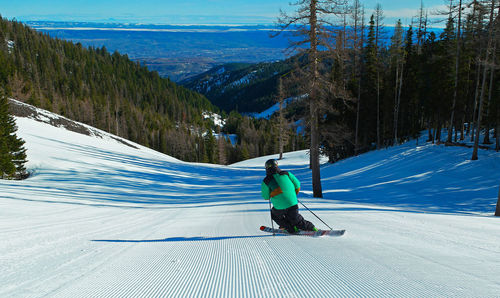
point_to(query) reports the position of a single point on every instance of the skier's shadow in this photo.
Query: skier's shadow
(184, 239)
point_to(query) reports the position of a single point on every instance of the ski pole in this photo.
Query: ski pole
(314, 214)
(271, 213)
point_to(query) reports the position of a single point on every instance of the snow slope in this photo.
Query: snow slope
(275, 108)
(102, 219)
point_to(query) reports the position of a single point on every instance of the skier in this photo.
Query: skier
(281, 187)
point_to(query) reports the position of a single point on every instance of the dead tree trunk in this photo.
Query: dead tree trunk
(476, 96)
(358, 12)
(398, 103)
(282, 129)
(312, 18)
(430, 137)
(457, 63)
(379, 17)
(497, 132)
(314, 149)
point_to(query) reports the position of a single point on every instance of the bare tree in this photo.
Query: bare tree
(310, 23)
(379, 17)
(341, 51)
(420, 31)
(283, 134)
(397, 53)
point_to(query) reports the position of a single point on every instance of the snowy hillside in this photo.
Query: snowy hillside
(275, 108)
(100, 218)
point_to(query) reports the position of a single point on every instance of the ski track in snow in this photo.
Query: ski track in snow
(101, 219)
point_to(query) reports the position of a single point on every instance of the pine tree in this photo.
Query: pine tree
(282, 131)
(369, 120)
(221, 148)
(12, 152)
(443, 85)
(428, 94)
(244, 154)
(210, 148)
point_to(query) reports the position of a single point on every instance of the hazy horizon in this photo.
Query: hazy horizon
(193, 12)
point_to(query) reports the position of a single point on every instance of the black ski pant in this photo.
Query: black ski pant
(290, 217)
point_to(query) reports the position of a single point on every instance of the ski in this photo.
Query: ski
(319, 233)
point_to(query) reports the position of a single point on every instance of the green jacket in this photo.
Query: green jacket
(282, 188)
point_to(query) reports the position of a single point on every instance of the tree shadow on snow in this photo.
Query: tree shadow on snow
(183, 239)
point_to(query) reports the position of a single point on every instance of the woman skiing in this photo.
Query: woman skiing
(282, 187)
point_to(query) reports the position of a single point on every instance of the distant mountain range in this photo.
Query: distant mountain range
(179, 51)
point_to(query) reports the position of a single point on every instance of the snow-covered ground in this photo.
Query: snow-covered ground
(102, 219)
(275, 108)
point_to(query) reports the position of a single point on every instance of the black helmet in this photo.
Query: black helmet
(271, 166)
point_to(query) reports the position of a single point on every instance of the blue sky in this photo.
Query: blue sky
(181, 11)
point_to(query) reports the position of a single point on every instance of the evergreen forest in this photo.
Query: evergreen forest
(373, 89)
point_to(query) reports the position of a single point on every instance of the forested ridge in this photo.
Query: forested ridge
(93, 86)
(242, 87)
(110, 92)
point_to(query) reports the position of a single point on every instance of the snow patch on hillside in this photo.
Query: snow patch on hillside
(10, 45)
(221, 70)
(243, 80)
(266, 114)
(216, 118)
